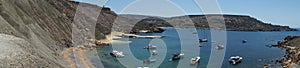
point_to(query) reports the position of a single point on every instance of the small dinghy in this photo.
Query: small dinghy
(150, 47)
(235, 60)
(177, 56)
(195, 60)
(115, 53)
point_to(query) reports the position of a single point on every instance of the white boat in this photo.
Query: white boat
(115, 53)
(142, 67)
(195, 60)
(219, 47)
(235, 60)
(144, 31)
(150, 47)
(177, 56)
(154, 52)
(203, 40)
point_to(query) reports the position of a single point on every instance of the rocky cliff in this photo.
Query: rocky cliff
(34, 32)
(292, 57)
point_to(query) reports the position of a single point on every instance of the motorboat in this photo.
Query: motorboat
(177, 56)
(150, 47)
(115, 53)
(195, 60)
(235, 60)
(219, 47)
(203, 40)
(154, 52)
(244, 41)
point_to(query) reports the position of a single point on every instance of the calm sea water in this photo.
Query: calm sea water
(255, 53)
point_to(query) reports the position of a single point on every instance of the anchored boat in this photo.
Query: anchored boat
(244, 41)
(195, 60)
(219, 47)
(150, 47)
(177, 56)
(235, 60)
(154, 52)
(203, 40)
(115, 53)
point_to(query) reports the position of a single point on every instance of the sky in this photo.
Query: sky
(279, 12)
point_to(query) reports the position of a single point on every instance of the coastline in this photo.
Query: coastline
(292, 46)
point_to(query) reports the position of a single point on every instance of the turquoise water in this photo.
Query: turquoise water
(255, 52)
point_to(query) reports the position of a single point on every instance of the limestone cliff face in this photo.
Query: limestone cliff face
(38, 30)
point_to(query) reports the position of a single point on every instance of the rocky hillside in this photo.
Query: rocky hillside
(34, 32)
(233, 22)
(292, 57)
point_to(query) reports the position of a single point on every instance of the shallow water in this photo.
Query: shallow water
(255, 53)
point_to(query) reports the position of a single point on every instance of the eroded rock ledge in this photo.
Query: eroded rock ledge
(292, 57)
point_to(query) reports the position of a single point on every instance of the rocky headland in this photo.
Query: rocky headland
(292, 57)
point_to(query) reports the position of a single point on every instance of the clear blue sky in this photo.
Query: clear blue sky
(280, 12)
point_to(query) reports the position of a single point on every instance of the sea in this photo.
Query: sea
(256, 52)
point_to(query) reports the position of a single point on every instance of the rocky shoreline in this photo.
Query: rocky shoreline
(291, 58)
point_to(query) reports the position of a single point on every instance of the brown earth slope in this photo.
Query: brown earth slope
(35, 32)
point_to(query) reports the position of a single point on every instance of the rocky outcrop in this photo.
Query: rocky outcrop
(292, 46)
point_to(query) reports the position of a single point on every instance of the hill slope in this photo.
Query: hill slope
(233, 22)
(35, 32)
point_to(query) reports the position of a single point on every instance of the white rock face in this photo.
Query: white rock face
(10, 50)
(9, 46)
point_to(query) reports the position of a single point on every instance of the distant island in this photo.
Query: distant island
(233, 22)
